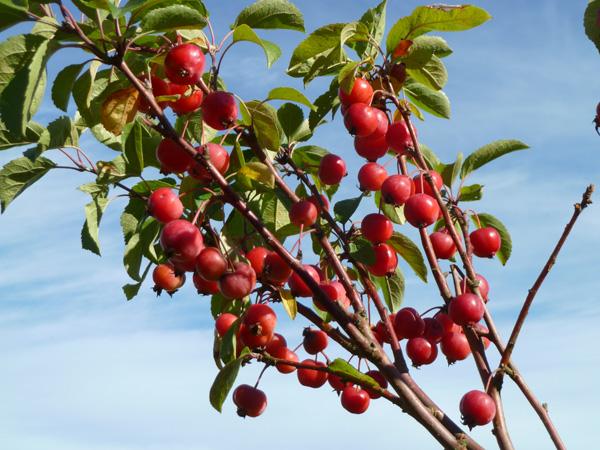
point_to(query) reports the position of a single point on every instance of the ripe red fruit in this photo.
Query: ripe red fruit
(455, 346)
(224, 323)
(434, 331)
(386, 260)
(421, 210)
(335, 292)
(160, 88)
(258, 325)
(182, 242)
(421, 351)
(184, 64)
(210, 264)
(447, 324)
(166, 279)
(371, 177)
(371, 147)
(217, 156)
(310, 377)
(185, 103)
(332, 169)
(298, 287)
(172, 157)
(397, 189)
(249, 400)
(303, 213)
(466, 309)
(485, 241)
(355, 399)
(256, 257)
(477, 408)
(376, 228)
(443, 245)
(276, 270)
(336, 382)
(361, 120)
(484, 287)
(422, 185)
(276, 341)
(239, 282)
(381, 381)
(219, 110)
(315, 341)
(408, 324)
(164, 205)
(398, 137)
(204, 286)
(315, 201)
(361, 93)
(284, 353)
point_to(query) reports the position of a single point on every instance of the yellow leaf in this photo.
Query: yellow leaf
(119, 109)
(259, 172)
(289, 303)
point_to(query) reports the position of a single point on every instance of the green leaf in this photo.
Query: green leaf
(33, 135)
(345, 208)
(293, 123)
(133, 214)
(140, 8)
(409, 251)
(18, 174)
(374, 21)
(275, 215)
(430, 157)
(590, 22)
(173, 17)
(271, 14)
(308, 157)
(347, 76)
(423, 48)
(433, 74)
(435, 18)
(12, 12)
(320, 49)
(344, 370)
(362, 251)
(394, 213)
(324, 103)
(245, 33)
(131, 290)
(63, 85)
(289, 303)
(223, 383)
(488, 153)
(265, 125)
(291, 94)
(22, 79)
(471, 193)
(487, 220)
(259, 172)
(449, 172)
(89, 232)
(434, 102)
(140, 244)
(393, 289)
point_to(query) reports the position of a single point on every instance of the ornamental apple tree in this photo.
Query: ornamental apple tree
(228, 195)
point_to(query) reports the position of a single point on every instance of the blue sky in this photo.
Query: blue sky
(85, 369)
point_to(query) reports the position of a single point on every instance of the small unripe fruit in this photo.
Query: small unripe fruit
(184, 64)
(361, 120)
(310, 377)
(361, 92)
(466, 309)
(443, 245)
(376, 228)
(355, 399)
(249, 400)
(421, 210)
(386, 260)
(219, 110)
(332, 169)
(371, 177)
(303, 213)
(210, 264)
(164, 205)
(397, 189)
(315, 341)
(477, 408)
(485, 241)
